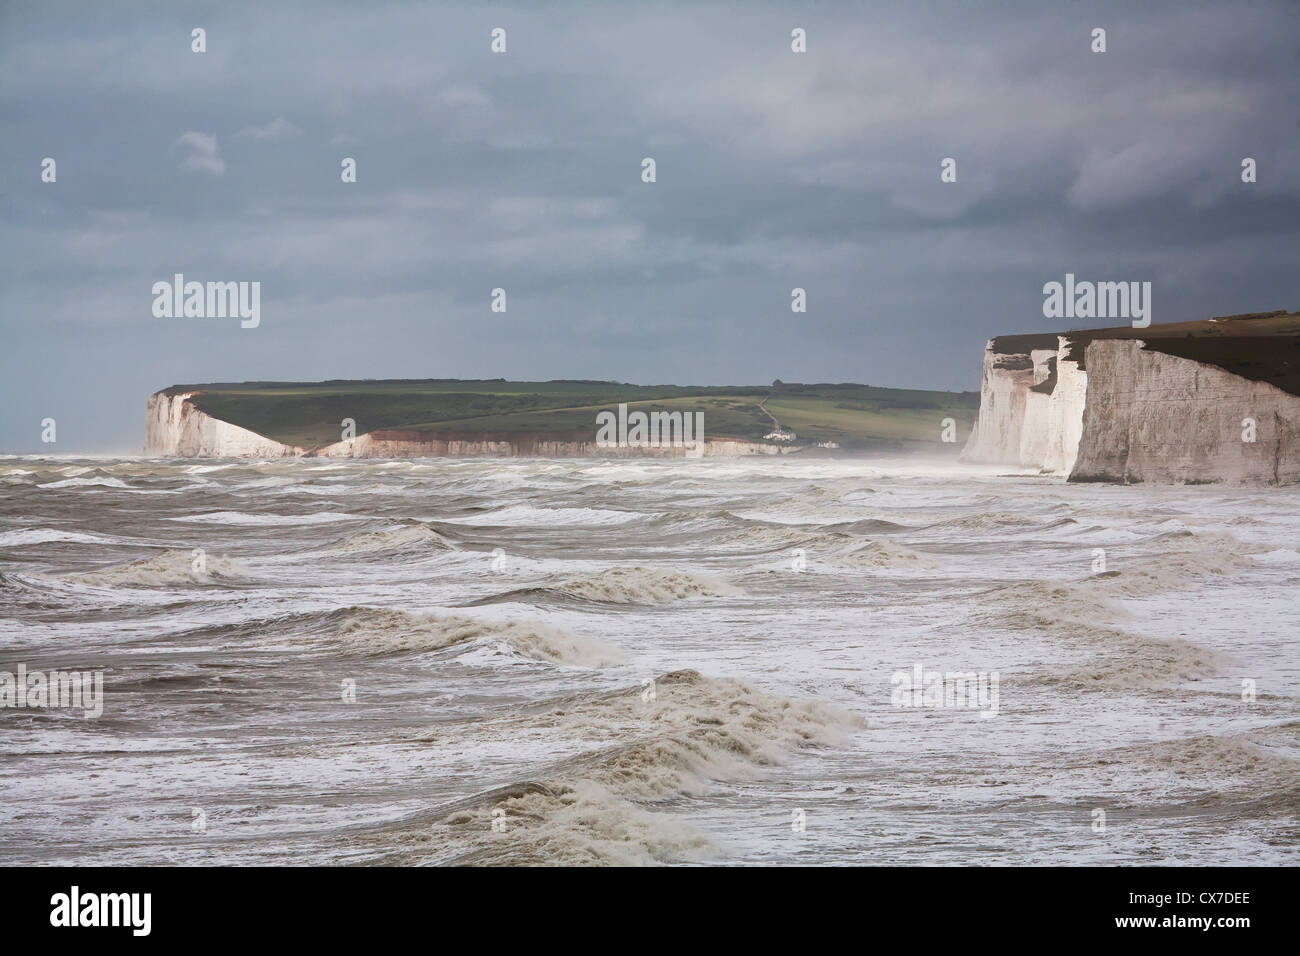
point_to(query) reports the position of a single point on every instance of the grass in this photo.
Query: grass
(309, 414)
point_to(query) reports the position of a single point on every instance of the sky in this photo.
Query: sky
(522, 170)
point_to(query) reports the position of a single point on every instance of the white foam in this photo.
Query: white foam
(253, 520)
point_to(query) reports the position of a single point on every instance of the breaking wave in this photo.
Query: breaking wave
(590, 809)
(528, 515)
(406, 536)
(29, 536)
(1258, 765)
(775, 537)
(1077, 615)
(1188, 559)
(1128, 661)
(102, 482)
(696, 522)
(637, 585)
(162, 570)
(633, 585)
(883, 553)
(371, 630)
(256, 520)
(831, 548)
(984, 520)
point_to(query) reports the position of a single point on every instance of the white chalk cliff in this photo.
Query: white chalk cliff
(176, 428)
(1105, 406)
(1156, 417)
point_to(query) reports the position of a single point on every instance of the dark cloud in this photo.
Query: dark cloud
(522, 171)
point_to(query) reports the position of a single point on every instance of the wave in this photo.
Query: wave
(1077, 614)
(883, 553)
(868, 526)
(1248, 764)
(254, 520)
(1192, 557)
(1131, 662)
(1248, 520)
(618, 585)
(414, 536)
(590, 809)
(1201, 556)
(329, 489)
(832, 548)
(1278, 556)
(638, 585)
(372, 630)
(697, 522)
(1059, 523)
(632, 585)
(526, 515)
(1100, 533)
(161, 570)
(104, 482)
(270, 481)
(775, 537)
(985, 520)
(30, 536)
(1233, 756)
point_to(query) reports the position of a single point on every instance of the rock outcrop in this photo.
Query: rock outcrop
(1215, 401)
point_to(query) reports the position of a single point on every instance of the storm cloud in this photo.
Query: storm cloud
(522, 171)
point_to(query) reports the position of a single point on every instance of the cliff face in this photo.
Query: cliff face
(1161, 418)
(1035, 429)
(1065, 415)
(1105, 406)
(1031, 407)
(176, 428)
(1004, 390)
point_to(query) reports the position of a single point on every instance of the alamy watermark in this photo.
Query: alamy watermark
(130, 910)
(179, 299)
(922, 688)
(1098, 300)
(640, 429)
(39, 691)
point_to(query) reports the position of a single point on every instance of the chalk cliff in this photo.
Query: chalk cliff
(175, 427)
(1156, 417)
(1215, 401)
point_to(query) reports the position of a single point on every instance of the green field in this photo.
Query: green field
(855, 416)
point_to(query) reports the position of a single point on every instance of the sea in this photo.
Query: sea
(744, 661)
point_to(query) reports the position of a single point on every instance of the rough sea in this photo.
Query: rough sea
(529, 661)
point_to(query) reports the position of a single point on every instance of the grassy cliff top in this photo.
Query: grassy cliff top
(308, 414)
(1248, 324)
(1262, 346)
